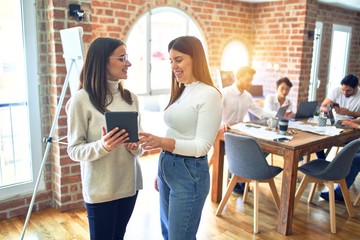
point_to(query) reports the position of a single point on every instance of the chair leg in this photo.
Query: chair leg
(229, 189)
(256, 206)
(337, 150)
(312, 192)
(346, 195)
(327, 151)
(306, 158)
(332, 207)
(357, 200)
(301, 189)
(275, 194)
(246, 189)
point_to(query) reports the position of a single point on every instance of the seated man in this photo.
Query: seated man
(237, 101)
(355, 166)
(345, 100)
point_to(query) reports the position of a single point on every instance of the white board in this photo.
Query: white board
(72, 44)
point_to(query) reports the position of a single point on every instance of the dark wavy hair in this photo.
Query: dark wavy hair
(350, 80)
(93, 74)
(191, 46)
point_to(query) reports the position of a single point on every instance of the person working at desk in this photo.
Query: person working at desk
(345, 100)
(273, 102)
(355, 166)
(237, 101)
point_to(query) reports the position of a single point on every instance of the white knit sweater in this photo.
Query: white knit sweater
(105, 176)
(194, 119)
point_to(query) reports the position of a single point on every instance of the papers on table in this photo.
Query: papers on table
(328, 130)
(258, 131)
(263, 132)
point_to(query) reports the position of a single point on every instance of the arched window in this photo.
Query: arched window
(150, 73)
(235, 55)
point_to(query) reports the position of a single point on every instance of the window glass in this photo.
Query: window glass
(20, 136)
(150, 73)
(340, 42)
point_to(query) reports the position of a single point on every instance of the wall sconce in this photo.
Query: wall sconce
(75, 11)
(273, 67)
(276, 67)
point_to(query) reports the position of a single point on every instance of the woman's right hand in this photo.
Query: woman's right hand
(224, 128)
(156, 184)
(113, 139)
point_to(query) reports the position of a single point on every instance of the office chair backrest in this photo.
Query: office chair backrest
(245, 157)
(340, 166)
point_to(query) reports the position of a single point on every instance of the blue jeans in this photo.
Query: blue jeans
(354, 170)
(184, 184)
(108, 220)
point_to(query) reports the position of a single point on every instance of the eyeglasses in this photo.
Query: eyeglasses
(123, 58)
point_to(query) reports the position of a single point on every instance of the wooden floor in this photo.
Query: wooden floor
(311, 221)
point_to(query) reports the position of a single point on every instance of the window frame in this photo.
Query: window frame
(28, 12)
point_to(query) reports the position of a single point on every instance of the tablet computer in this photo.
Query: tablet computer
(123, 120)
(281, 112)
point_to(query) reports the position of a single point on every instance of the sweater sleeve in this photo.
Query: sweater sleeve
(255, 109)
(81, 146)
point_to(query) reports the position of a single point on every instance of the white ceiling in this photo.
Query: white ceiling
(348, 4)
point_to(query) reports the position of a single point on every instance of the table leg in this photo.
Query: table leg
(288, 189)
(217, 162)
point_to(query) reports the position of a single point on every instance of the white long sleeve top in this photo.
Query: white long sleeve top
(272, 105)
(105, 176)
(351, 103)
(236, 105)
(194, 119)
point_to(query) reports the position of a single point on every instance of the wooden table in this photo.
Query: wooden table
(302, 144)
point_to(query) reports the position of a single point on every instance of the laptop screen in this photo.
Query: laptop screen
(306, 109)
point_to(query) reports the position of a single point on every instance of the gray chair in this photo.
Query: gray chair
(322, 171)
(247, 164)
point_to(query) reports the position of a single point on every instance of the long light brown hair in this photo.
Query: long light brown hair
(191, 46)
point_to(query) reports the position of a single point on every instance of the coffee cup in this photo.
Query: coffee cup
(283, 126)
(322, 121)
(272, 123)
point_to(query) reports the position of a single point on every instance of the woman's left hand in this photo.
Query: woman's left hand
(149, 141)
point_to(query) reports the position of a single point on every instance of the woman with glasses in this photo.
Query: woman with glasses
(110, 171)
(192, 116)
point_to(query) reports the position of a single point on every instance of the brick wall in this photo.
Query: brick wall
(275, 33)
(279, 39)
(65, 173)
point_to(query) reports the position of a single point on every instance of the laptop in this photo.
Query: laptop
(305, 110)
(280, 114)
(334, 122)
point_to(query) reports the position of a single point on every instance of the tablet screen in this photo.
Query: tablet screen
(123, 120)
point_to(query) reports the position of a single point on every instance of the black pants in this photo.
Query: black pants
(108, 220)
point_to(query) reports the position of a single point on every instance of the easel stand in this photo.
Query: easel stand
(49, 141)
